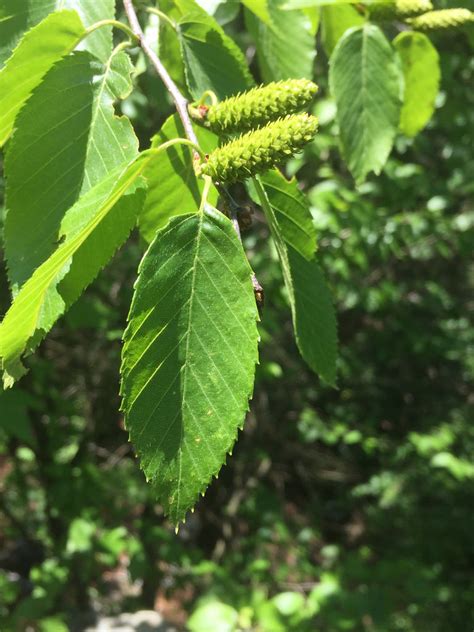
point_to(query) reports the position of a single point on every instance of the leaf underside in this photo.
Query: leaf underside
(366, 83)
(67, 140)
(335, 21)
(292, 212)
(189, 355)
(287, 47)
(421, 70)
(314, 319)
(212, 59)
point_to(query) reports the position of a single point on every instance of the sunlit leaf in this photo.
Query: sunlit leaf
(18, 16)
(80, 142)
(335, 21)
(260, 9)
(90, 233)
(189, 355)
(367, 84)
(420, 65)
(42, 46)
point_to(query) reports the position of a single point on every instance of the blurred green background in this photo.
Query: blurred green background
(348, 509)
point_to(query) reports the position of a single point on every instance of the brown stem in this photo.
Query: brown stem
(179, 100)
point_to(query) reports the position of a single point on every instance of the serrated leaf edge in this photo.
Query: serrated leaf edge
(181, 517)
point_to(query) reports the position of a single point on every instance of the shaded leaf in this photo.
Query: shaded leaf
(173, 188)
(335, 21)
(313, 315)
(212, 59)
(260, 9)
(68, 137)
(421, 70)
(189, 355)
(278, 59)
(100, 42)
(292, 213)
(367, 84)
(14, 418)
(53, 38)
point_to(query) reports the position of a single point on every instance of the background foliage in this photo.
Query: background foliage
(346, 509)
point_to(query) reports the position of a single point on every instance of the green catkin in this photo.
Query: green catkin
(258, 106)
(443, 19)
(399, 9)
(261, 149)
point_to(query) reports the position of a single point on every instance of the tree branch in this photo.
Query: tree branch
(179, 100)
(181, 104)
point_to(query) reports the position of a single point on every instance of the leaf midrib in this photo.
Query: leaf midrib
(184, 369)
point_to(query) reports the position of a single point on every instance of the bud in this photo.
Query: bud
(443, 19)
(399, 8)
(258, 106)
(261, 149)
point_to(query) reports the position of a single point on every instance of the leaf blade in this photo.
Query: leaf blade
(212, 59)
(39, 302)
(335, 21)
(277, 60)
(292, 212)
(261, 10)
(32, 59)
(421, 70)
(18, 16)
(185, 343)
(366, 82)
(314, 320)
(74, 101)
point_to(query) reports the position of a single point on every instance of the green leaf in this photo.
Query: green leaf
(14, 418)
(173, 188)
(169, 47)
(289, 603)
(301, 4)
(292, 213)
(18, 16)
(189, 355)
(42, 46)
(68, 137)
(212, 59)
(91, 232)
(276, 58)
(367, 85)
(314, 320)
(335, 21)
(224, 618)
(420, 66)
(260, 9)
(100, 42)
